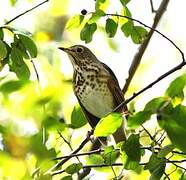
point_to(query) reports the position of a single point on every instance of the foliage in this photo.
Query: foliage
(39, 125)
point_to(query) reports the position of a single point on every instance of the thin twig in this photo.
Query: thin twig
(166, 175)
(152, 6)
(176, 161)
(68, 143)
(95, 166)
(80, 154)
(18, 16)
(138, 56)
(85, 141)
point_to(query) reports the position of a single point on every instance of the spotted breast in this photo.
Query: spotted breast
(93, 92)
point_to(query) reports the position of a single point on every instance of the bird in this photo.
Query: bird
(96, 87)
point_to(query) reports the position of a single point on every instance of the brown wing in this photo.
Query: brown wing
(113, 85)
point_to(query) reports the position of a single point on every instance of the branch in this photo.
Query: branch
(178, 67)
(138, 56)
(96, 166)
(18, 16)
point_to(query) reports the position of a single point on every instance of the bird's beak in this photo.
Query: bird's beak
(67, 50)
(62, 48)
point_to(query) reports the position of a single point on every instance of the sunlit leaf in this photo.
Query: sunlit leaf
(111, 27)
(74, 22)
(95, 16)
(18, 66)
(3, 50)
(125, 12)
(108, 125)
(77, 117)
(73, 168)
(87, 32)
(101, 5)
(175, 89)
(29, 45)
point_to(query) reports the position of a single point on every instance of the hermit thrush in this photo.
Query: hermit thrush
(95, 86)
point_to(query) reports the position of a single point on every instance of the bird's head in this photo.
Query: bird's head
(79, 55)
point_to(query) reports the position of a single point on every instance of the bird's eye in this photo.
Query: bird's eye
(79, 49)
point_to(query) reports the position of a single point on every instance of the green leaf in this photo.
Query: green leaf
(11, 86)
(172, 119)
(158, 172)
(175, 89)
(95, 159)
(110, 155)
(165, 151)
(19, 45)
(139, 118)
(95, 16)
(67, 178)
(127, 28)
(77, 117)
(53, 123)
(3, 50)
(18, 66)
(12, 2)
(153, 163)
(124, 2)
(29, 45)
(125, 12)
(73, 168)
(19, 31)
(156, 167)
(183, 176)
(74, 22)
(1, 34)
(108, 125)
(138, 34)
(37, 147)
(101, 4)
(111, 27)
(132, 147)
(155, 104)
(87, 32)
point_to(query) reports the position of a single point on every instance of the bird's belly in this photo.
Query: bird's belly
(98, 103)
